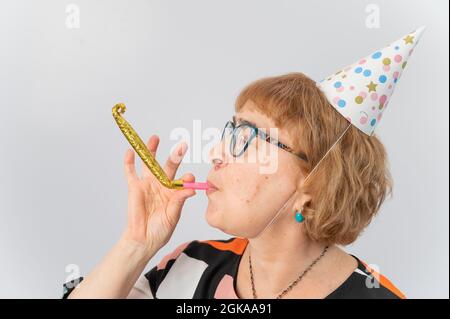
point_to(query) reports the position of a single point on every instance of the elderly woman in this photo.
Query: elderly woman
(297, 174)
(298, 254)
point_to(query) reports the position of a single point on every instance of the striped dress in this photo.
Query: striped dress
(208, 269)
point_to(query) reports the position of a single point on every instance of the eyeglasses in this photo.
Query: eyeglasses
(243, 134)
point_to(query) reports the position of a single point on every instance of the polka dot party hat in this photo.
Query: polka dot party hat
(361, 91)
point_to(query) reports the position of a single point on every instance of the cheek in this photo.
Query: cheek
(247, 201)
(246, 186)
(236, 206)
(253, 194)
(259, 189)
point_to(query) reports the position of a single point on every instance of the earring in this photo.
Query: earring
(299, 217)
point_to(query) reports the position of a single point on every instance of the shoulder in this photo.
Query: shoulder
(207, 251)
(189, 269)
(367, 283)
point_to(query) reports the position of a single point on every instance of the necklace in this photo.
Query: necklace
(296, 281)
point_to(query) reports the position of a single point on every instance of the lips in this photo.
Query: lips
(211, 185)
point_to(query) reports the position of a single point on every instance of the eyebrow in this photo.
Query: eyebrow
(242, 121)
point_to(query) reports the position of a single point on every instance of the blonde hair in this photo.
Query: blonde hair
(351, 182)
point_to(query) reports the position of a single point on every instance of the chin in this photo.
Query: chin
(212, 216)
(215, 218)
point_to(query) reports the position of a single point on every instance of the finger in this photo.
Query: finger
(176, 203)
(188, 177)
(152, 146)
(129, 166)
(174, 160)
(185, 193)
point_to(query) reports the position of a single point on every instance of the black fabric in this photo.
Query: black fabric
(356, 287)
(226, 262)
(69, 286)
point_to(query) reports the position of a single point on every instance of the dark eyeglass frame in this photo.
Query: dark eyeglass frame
(260, 134)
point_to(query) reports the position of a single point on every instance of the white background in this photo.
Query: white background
(62, 189)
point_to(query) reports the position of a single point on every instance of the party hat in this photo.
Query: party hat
(361, 91)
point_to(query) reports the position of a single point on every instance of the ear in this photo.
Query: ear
(302, 200)
(303, 197)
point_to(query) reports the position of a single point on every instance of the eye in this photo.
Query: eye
(242, 140)
(243, 136)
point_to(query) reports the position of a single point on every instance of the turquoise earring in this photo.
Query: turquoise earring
(299, 217)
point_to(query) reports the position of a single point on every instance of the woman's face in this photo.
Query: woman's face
(253, 187)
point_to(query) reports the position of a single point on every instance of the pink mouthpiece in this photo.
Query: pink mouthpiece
(195, 185)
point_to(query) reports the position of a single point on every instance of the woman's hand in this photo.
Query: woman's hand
(153, 213)
(153, 209)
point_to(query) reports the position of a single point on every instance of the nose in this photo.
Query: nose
(217, 155)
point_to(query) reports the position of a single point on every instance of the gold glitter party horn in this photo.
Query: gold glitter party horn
(143, 152)
(141, 149)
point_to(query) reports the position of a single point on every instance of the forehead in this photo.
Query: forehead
(253, 118)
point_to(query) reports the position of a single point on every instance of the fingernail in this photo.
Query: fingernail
(180, 150)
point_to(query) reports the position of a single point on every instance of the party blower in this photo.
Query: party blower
(143, 152)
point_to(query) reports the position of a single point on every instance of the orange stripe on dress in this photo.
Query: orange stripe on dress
(385, 282)
(237, 245)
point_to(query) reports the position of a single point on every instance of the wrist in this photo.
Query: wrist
(138, 252)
